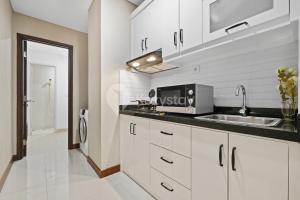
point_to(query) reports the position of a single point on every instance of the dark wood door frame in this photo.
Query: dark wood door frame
(20, 82)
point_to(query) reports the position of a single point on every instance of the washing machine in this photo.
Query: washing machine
(83, 130)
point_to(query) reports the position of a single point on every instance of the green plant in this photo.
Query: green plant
(287, 87)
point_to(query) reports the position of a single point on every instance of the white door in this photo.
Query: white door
(170, 24)
(141, 130)
(258, 169)
(222, 17)
(209, 165)
(190, 24)
(127, 145)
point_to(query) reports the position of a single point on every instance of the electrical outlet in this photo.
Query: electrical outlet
(197, 69)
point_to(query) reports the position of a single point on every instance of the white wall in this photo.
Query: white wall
(5, 84)
(106, 57)
(257, 71)
(42, 91)
(115, 51)
(94, 82)
(58, 57)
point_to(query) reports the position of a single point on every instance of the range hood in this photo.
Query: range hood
(149, 63)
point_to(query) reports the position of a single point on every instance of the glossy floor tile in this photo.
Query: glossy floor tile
(51, 172)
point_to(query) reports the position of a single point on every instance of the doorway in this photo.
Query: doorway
(44, 89)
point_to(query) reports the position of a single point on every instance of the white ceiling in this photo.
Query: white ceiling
(68, 13)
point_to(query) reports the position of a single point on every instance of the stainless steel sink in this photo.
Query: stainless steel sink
(236, 119)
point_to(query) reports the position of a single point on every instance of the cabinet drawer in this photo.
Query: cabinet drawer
(174, 137)
(171, 164)
(163, 188)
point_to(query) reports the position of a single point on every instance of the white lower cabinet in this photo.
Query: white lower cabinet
(135, 153)
(174, 137)
(171, 164)
(164, 188)
(209, 165)
(257, 168)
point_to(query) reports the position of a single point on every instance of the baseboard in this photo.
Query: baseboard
(103, 173)
(74, 146)
(16, 158)
(6, 172)
(61, 130)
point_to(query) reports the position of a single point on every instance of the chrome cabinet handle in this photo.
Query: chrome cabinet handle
(133, 128)
(142, 46)
(181, 36)
(236, 25)
(175, 39)
(233, 159)
(146, 47)
(166, 133)
(166, 187)
(130, 128)
(221, 155)
(166, 160)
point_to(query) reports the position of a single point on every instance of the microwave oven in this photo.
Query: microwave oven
(186, 99)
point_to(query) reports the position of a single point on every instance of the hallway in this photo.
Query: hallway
(50, 172)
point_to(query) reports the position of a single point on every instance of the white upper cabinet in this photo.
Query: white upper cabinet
(223, 17)
(190, 24)
(170, 24)
(137, 35)
(182, 26)
(146, 29)
(153, 28)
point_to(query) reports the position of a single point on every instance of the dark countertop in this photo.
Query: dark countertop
(286, 130)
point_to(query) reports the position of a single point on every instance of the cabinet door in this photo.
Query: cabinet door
(142, 151)
(219, 16)
(153, 26)
(170, 24)
(258, 169)
(137, 35)
(209, 165)
(190, 24)
(126, 145)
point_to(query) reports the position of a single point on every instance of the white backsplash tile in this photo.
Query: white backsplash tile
(257, 71)
(133, 86)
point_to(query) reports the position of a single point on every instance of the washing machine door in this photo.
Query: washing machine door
(82, 130)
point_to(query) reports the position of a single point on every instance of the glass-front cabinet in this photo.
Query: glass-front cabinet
(223, 17)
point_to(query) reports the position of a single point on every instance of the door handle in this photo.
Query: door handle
(175, 39)
(166, 133)
(166, 187)
(233, 159)
(236, 25)
(165, 160)
(221, 155)
(181, 36)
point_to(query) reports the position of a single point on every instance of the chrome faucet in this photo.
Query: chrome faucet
(244, 110)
